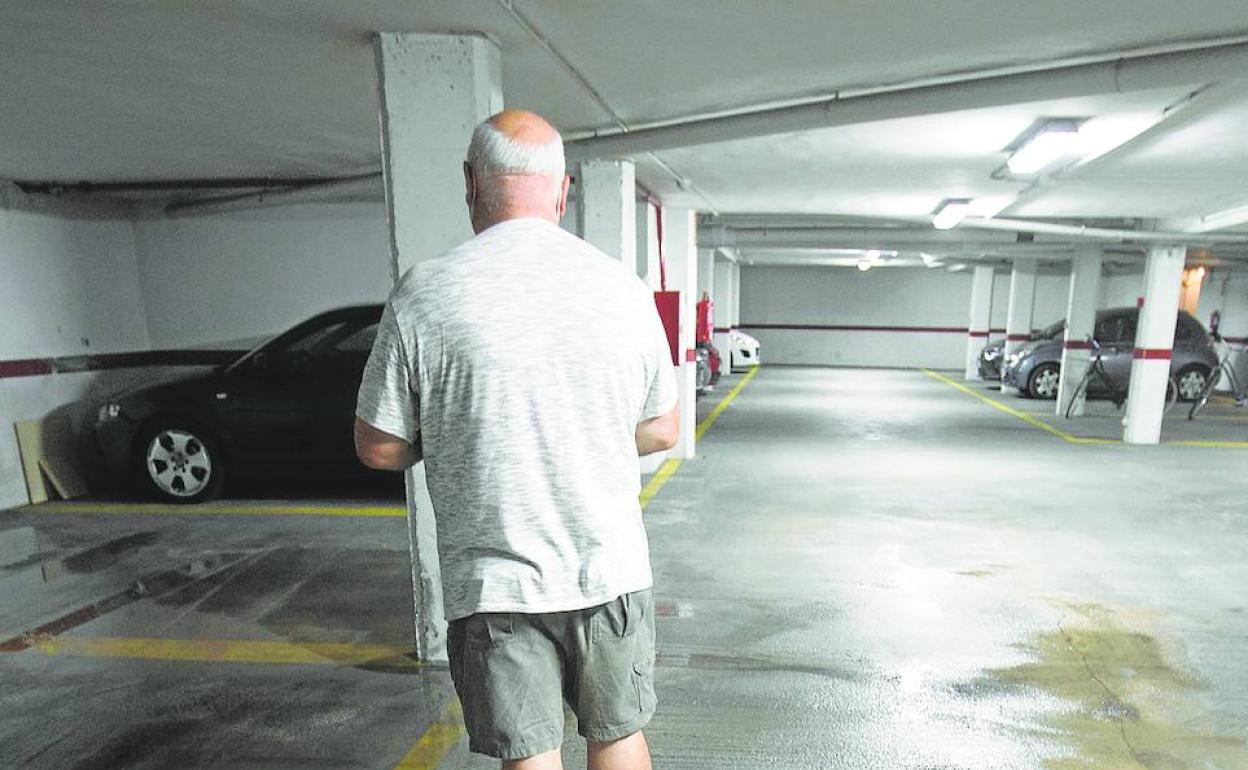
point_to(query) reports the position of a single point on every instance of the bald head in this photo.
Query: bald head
(515, 168)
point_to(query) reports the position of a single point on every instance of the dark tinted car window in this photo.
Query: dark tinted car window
(314, 338)
(1108, 329)
(1129, 323)
(1189, 328)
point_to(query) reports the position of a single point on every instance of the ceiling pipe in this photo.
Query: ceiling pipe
(1195, 64)
(1085, 233)
(32, 187)
(364, 185)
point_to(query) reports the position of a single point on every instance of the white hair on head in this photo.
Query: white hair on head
(492, 153)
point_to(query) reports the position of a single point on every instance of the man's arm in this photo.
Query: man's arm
(658, 433)
(383, 451)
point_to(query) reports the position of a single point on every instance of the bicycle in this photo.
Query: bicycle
(1224, 367)
(1096, 368)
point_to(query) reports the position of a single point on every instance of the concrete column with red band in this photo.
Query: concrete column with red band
(1081, 301)
(606, 207)
(680, 250)
(1154, 339)
(724, 274)
(980, 318)
(1022, 300)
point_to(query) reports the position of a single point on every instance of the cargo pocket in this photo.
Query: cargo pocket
(486, 630)
(643, 678)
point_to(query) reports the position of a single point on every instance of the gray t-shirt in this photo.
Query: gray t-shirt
(524, 360)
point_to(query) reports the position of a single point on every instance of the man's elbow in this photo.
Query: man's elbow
(377, 459)
(381, 451)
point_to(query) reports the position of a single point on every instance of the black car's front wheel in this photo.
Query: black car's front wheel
(1044, 381)
(179, 462)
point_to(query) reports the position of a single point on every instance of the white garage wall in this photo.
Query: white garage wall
(1121, 290)
(231, 276)
(926, 310)
(68, 286)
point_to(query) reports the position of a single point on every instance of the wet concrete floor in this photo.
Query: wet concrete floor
(863, 569)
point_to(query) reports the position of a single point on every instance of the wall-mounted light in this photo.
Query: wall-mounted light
(950, 212)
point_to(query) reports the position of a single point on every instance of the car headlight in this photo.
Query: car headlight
(992, 354)
(108, 412)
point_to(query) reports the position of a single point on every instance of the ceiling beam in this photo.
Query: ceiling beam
(1196, 64)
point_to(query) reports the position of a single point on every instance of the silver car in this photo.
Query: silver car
(1034, 369)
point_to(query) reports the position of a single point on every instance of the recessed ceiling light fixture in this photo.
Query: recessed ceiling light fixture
(864, 265)
(950, 212)
(1044, 144)
(1237, 215)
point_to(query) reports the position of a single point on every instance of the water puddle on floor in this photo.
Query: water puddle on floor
(1130, 705)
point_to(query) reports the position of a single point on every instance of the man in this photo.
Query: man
(530, 371)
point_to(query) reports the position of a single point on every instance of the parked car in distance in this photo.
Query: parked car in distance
(1035, 368)
(743, 350)
(283, 410)
(709, 367)
(990, 356)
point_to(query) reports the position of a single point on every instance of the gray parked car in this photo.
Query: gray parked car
(1034, 368)
(990, 356)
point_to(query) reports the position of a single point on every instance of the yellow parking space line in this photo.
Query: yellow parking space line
(1211, 444)
(439, 739)
(657, 481)
(710, 419)
(215, 509)
(1020, 415)
(669, 468)
(224, 650)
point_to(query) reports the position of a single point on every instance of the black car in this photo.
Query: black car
(284, 409)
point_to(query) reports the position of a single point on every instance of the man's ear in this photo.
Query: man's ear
(562, 206)
(470, 187)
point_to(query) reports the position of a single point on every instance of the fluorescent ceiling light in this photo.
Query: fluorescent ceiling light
(1055, 139)
(1237, 215)
(872, 254)
(950, 213)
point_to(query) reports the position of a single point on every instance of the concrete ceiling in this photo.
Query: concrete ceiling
(140, 90)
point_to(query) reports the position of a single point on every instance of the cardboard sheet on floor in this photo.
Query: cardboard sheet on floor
(46, 449)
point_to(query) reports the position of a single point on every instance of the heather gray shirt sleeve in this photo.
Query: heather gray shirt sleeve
(661, 396)
(387, 399)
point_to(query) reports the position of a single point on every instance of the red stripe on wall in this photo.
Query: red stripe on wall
(1018, 337)
(33, 367)
(977, 334)
(1077, 345)
(723, 329)
(1152, 354)
(857, 328)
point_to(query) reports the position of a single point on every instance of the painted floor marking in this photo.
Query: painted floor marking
(223, 509)
(1031, 420)
(224, 650)
(1036, 422)
(437, 741)
(669, 467)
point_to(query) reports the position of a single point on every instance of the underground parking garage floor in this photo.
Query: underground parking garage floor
(863, 569)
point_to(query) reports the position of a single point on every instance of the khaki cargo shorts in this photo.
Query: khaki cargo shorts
(514, 671)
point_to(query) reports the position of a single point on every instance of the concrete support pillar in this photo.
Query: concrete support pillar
(734, 315)
(433, 90)
(724, 291)
(1154, 339)
(980, 318)
(1081, 302)
(1022, 298)
(706, 273)
(607, 207)
(648, 244)
(680, 250)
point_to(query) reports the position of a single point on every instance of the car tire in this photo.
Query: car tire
(1043, 382)
(1192, 381)
(178, 461)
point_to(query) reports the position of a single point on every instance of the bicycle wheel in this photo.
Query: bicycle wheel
(1081, 391)
(1172, 395)
(1203, 398)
